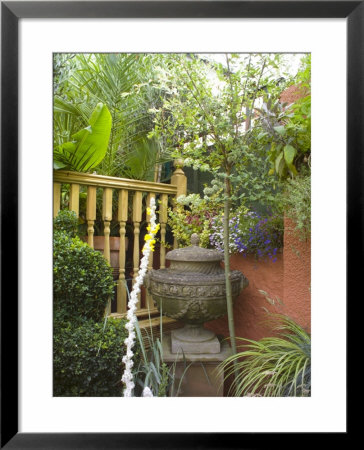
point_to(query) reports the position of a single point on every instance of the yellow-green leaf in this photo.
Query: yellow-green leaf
(293, 169)
(89, 145)
(278, 162)
(289, 154)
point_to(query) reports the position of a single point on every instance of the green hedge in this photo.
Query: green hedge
(87, 359)
(87, 351)
(82, 279)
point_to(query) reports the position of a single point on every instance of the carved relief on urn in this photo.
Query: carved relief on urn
(193, 290)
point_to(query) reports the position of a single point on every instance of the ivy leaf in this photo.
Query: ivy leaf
(289, 154)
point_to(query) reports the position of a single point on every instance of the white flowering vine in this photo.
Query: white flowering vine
(148, 247)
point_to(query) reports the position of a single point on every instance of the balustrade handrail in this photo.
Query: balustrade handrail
(64, 176)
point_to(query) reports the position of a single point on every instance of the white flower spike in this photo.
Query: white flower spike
(127, 377)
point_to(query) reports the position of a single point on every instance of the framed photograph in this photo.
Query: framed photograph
(31, 33)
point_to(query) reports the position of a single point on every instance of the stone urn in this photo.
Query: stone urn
(193, 290)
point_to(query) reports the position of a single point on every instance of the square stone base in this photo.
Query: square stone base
(198, 372)
(200, 348)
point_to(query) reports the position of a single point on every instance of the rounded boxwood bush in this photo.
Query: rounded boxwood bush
(82, 279)
(67, 222)
(87, 358)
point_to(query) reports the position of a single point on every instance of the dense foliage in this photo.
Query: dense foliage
(66, 221)
(297, 203)
(123, 83)
(286, 127)
(250, 232)
(88, 358)
(192, 214)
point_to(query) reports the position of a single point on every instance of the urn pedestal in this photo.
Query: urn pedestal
(196, 374)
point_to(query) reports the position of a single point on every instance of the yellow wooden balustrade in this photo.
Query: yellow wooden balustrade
(140, 192)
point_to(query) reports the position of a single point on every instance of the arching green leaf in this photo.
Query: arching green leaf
(88, 146)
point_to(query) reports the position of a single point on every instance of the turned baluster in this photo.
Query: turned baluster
(137, 217)
(163, 207)
(106, 216)
(122, 219)
(91, 214)
(74, 198)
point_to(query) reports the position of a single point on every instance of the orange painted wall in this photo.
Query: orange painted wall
(297, 276)
(286, 281)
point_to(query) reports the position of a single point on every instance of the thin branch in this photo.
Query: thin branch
(234, 120)
(255, 95)
(203, 109)
(244, 94)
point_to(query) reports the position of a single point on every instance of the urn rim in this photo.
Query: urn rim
(194, 253)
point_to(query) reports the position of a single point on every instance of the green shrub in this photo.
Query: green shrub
(87, 359)
(193, 214)
(66, 221)
(297, 204)
(82, 279)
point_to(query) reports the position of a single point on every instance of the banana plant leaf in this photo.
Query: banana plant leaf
(88, 146)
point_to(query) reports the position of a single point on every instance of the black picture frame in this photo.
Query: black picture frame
(11, 12)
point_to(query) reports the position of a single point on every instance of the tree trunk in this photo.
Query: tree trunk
(229, 298)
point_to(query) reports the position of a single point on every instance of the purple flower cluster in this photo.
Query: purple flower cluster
(262, 237)
(250, 234)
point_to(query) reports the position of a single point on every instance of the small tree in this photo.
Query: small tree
(212, 106)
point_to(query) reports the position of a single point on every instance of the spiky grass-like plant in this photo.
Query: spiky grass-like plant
(278, 366)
